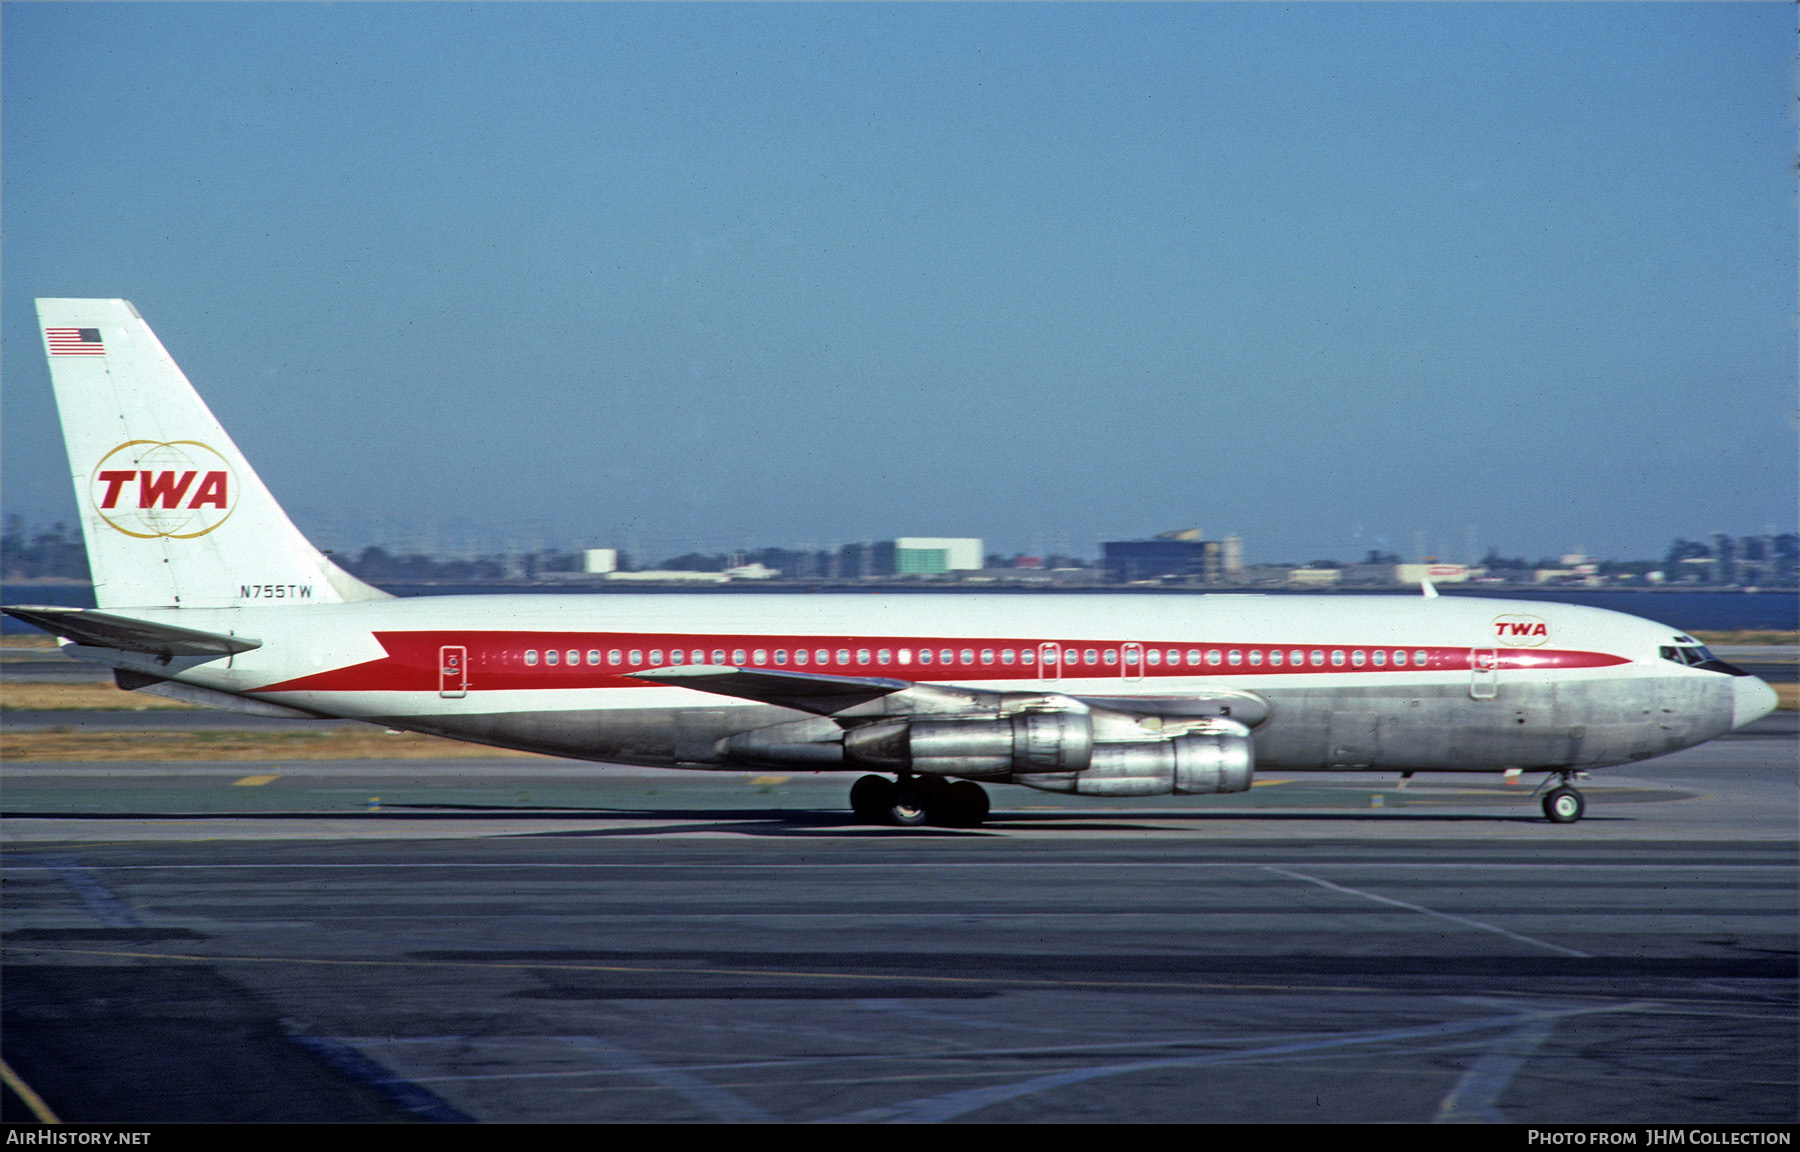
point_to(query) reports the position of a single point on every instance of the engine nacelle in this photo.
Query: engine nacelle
(1215, 756)
(976, 746)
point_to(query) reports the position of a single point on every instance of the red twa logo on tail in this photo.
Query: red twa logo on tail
(1518, 630)
(152, 488)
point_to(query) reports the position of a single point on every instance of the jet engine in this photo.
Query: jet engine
(1214, 755)
(1065, 751)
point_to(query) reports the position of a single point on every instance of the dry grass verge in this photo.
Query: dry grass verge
(1788, 695)
(29, 640)
(344, 744)
(23, 696)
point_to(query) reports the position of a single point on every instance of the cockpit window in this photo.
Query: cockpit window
(1696, 655)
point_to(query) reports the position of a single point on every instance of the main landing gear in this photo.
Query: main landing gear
(1563, 804)
(914, 800)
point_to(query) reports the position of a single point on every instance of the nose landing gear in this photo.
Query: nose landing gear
(1563, 804)
(914, 800)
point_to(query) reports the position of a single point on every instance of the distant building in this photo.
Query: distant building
(1171, 556)
(1315, 577)
(600, 560)
(1231, 557)
(925, 556)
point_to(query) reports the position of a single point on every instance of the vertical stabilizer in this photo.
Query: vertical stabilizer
(171, 511)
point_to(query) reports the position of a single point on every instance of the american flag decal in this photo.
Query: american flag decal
(74, 341)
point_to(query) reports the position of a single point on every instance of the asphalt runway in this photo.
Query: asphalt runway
(549, 941)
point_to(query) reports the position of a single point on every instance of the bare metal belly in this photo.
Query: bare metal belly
(1571, 724)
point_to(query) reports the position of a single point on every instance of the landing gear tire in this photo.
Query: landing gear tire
(1563, 805)
(907, 808)
(871, 797)
(966, 804)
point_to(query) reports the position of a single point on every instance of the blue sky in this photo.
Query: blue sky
(1325, 276)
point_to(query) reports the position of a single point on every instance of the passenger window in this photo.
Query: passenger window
(737, 657)
(862, 655)
(1399, 659)
(760, 656)
(1112, 656)
(656, 657)
(718, 656)
(1420, 657)
(1193, 657)
(987, 655)
(615, 657)
(946, 655)
(1378, 658)
(1337, 657)
(1318, 658)
(800, 655)
(1131, 655)
(1256, 657)
(924, 655)
(675, 656)
(822, 655)
(637, 657)
(843, 656)
(699, 656)
(552, 656)
(1356, 658)
(1275, 657)
(1296, 657)
(1153, 657)
(781, 655)
(884, 656)
(1089, 656)
(1028, 657)
(574, 656)
(593, 656)
(906, 655)
(531, 655)
(1212, 656)
(1006, 655)
(1234, 657)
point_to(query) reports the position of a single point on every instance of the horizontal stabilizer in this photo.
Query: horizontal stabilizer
(806, 691)
(209, 697)
(105, 630)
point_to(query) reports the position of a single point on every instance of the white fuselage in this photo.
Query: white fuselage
(1326, 682)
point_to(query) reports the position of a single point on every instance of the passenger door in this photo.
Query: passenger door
(453, 671)
(1484, 673)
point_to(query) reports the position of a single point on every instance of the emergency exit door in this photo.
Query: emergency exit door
(453, 672)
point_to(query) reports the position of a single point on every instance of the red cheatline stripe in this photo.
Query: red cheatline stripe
(495, 660)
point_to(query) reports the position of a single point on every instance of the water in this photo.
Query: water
(1716, 611)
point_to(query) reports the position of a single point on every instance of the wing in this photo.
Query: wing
(105, 630)
(806, 691)
(856, 696)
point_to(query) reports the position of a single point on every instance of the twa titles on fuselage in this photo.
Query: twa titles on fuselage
(930, 696)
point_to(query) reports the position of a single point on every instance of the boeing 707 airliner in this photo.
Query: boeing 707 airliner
(206, 592)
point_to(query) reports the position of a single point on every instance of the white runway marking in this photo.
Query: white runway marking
(717, 1102)
(1464, 920)
(935, 1109)
(1476, 1097)
(101, 901)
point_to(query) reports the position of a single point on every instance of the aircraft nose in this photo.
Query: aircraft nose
(1754, 699)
